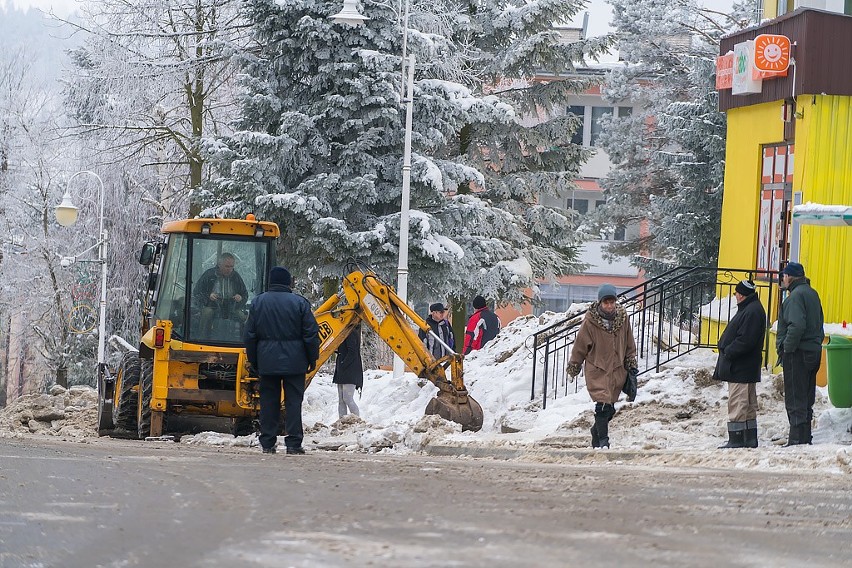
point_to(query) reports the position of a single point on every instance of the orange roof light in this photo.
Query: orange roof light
(250, 217)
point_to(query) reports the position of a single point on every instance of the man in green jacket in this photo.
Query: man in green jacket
(799, 344)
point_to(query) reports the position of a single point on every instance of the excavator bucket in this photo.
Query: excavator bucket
(457, 407)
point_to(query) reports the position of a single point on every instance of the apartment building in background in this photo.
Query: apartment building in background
(591, 108)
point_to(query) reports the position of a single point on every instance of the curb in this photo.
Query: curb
(535, 452)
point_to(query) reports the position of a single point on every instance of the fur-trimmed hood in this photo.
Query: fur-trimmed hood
(594, 317)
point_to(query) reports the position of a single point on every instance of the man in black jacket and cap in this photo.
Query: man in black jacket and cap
(740, 356)
(282, 344)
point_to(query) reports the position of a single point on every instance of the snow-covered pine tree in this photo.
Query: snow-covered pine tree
(669, 157)
(319, 146)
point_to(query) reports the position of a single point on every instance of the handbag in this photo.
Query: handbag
(631, 384)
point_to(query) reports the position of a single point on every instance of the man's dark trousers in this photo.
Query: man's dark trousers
(800, 371)
(270, 415)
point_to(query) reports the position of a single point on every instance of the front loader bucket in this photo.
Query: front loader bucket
(457, 407)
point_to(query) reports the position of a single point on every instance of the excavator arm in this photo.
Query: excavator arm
(366, 299)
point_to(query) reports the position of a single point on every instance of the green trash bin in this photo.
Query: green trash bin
(838, 352)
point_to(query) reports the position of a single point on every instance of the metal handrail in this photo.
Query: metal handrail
(670, 315)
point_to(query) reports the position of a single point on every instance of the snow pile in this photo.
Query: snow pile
(70, 413)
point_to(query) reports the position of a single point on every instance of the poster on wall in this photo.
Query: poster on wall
(773, 228)
(778, 239)
(763, 240)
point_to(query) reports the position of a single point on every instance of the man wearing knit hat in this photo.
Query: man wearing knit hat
(740, 356)
(482, 326)
(282, 343)
(799, 345)
(605, 343)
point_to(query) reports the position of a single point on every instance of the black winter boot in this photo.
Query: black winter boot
(799, 435)
(750, 437)
(601, 427)
(596, 441)
(736, 436)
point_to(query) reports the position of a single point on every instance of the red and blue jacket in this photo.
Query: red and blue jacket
(481, 328)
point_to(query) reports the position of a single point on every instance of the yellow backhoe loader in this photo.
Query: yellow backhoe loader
(203, 275)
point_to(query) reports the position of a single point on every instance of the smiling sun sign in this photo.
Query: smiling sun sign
(771, 52)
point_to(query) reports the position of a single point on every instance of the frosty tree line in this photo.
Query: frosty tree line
(223, 107)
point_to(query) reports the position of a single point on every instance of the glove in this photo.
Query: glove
(312, 365)
(631, 384)
(573, 369)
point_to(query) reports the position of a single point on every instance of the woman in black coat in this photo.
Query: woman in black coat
(740, 358)
(348, 372)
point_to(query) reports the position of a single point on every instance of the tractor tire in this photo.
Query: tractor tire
(146, 389)
(124, 407)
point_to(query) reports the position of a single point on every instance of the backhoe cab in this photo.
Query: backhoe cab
(203, 275)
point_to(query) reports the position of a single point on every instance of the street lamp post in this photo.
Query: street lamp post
(66, 215)
(349, 15)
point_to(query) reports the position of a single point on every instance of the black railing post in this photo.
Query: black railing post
(535, 361)
(546, 375)
(660, 318)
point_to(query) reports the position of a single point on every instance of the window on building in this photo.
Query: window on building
(599, 203)
(580, 294)
(619, 233)
(581, 206)
(580, 113)
(557, 305)
(553, 298)
(559, 297)
(624, 111)
(597, 115)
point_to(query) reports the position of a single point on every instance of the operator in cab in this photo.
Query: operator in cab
(221, 293)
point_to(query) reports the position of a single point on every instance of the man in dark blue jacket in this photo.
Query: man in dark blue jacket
(282, 343)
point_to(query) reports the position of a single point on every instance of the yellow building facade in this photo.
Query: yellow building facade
(789, 142)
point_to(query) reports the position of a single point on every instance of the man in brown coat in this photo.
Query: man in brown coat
(605, 343)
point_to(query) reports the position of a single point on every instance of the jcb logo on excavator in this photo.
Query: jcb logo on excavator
(324, 331)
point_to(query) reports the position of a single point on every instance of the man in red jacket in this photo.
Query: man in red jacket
(481, 328)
